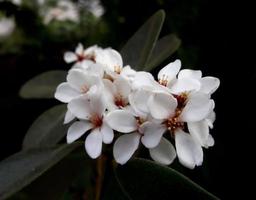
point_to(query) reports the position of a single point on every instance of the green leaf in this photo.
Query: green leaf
(43, 85)
(22, 168)
(143, 179)
(47, 129)
(164, 48)
(54, 183)
(139, 48)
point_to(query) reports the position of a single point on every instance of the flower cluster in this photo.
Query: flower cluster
(109, 100)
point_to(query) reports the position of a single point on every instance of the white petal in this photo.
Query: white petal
(97, 100)
(68, 117)
(162, 105)
(138, 101)
(93, 143)
(143, 80)
(200, 132)
(210, 119)
(65, 93)
(121, 121)
(185, 85)
(125, 146)
(77, 129)
(197, 108)
(80, 107)
(163, 153)
(78, 79)
(79, 49)
(107, 133)
(95, 69)
(152, 134)
(209, 84)
(128, 73)
(70, 57)
(189, 152)
(123, 86)
(188, 73)
(170, 71)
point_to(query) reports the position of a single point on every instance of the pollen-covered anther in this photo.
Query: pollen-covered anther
(96, 120)
(117, 69)
(164, 80)
(181, 99)
(173, 123)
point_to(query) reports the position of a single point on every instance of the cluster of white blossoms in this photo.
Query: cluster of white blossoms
(115, 103)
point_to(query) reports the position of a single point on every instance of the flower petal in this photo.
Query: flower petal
(79, 80)
(77, 129)
(79, 49)
(70, 57)
(138, 101)
(189, 152)
(93, 143)
(188, 73)
(209, 84)
(123, 86)
(197, 108)
(162, 105)
(163, 153)
(65, 93)
(80, 107)
(121, 121)
(107, 133)
(200, 132)
(68, 117)
(170, 71)
(185, 85)
(97, 101)
(125, 146)
(152, 134)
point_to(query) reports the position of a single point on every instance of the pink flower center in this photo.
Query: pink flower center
(120, 101)
(81, 57)
(96, 120)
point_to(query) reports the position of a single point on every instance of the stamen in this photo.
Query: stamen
(164, 80)
(117, 69)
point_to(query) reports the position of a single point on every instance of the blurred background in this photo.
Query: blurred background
(35, 34)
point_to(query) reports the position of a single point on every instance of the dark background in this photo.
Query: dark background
(217, 38)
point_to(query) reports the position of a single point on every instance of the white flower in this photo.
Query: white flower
(78, 83)
(117, 93)
(7, 26)
(65, 10)
(90, 109)
(174, 113)
(138, 128)
(192, 80)
(82, 57)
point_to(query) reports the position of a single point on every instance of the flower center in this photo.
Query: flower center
(120, 101)
(164, 80)
(117, 69)
(84, 89)
(81, 57)
(96, 120)
(173, 123)
(181, 99)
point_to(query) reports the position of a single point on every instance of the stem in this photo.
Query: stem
(100, 176)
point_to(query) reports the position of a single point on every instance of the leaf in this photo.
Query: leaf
(47, 130)
(22, 168)
(43, 85)
(53, 184)
(164, 48)
(139, 47)
(143, 179)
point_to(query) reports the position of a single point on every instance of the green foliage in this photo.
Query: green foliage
(164, 48)
(139, 47)
(22, 168)
(47, 130)
(43, 85)
(145, 180)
